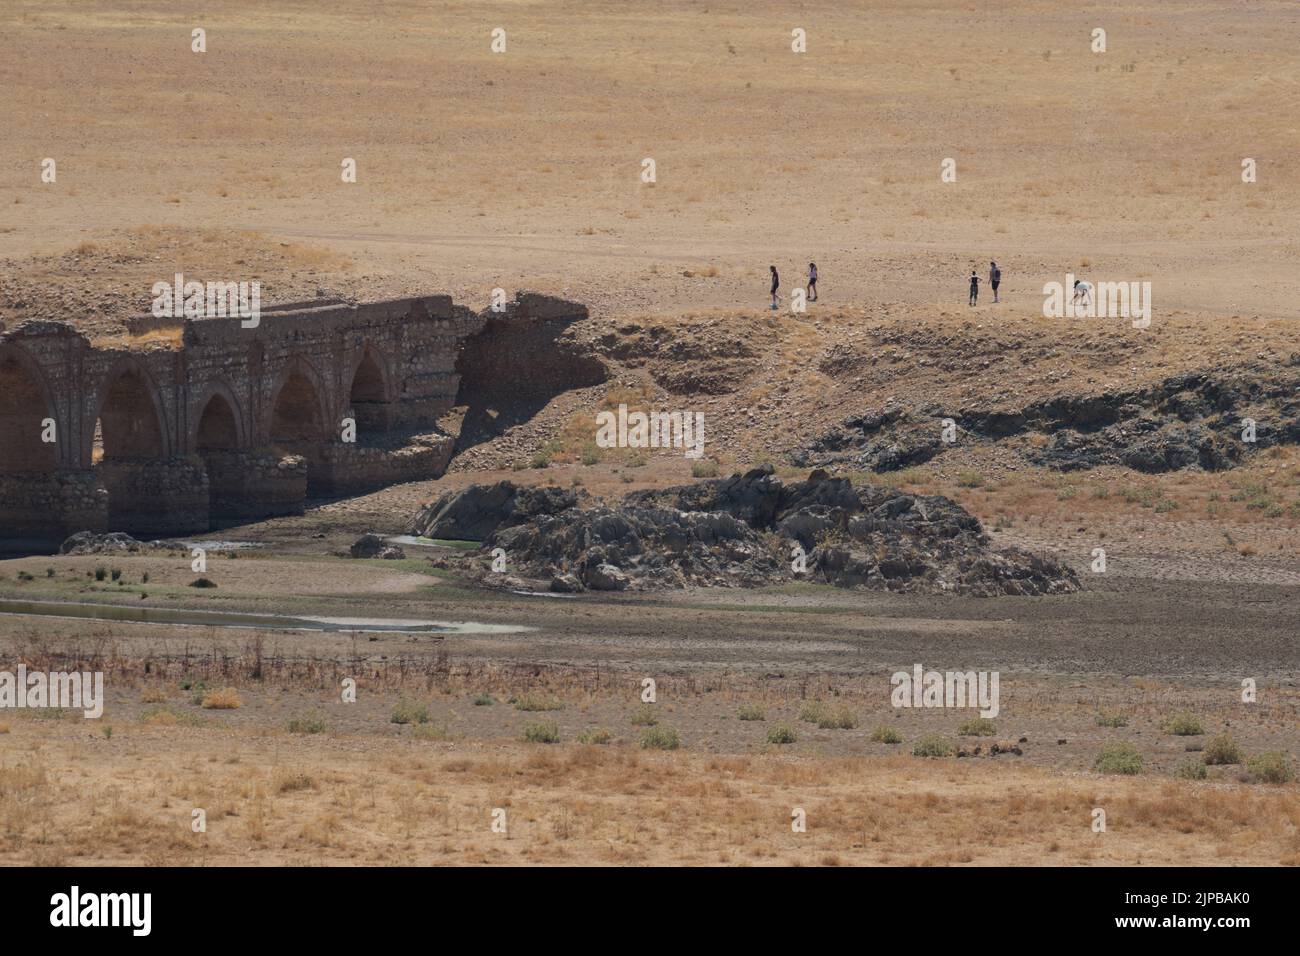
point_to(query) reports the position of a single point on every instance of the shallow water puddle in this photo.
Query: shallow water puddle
(183, 617)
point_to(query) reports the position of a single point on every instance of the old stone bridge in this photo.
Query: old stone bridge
(207, 423)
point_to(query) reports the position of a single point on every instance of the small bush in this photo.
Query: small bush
(1272, 766)
(101, 572)
(969, 479)
(704, 468)
(886, 735)
(1111, 720)
(751, 712)
(932, 745)
(203, 583)
(116, 574)
(1118, 758)
(537, 702)
(224, 699)
(977, 727)
(812, 711)
(312, 723)
(547, 732)
(1192, 770)
(1184, 724)
(595, 737)
(660, 738)
(780, 735)
(841, 718)
(644, 717)
(483, 700)
(409, 712)
(1221, 750)
(25, 576)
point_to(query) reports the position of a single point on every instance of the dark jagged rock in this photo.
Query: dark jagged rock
(1189, 420)
(744, 531)
(88, 542)
(473, 513)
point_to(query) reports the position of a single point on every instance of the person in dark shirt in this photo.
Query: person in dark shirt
(995, 279)
(776, 284)
(812, 282)
(974, 287)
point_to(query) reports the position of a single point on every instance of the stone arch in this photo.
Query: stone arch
(218, 408)
(24, 406)
(129, 415)
(297, 423)
(370, 394)
(298, 406)
(130, 450)
(218, 438)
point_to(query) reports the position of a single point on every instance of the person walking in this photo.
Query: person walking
(776, 284)
(995, 279)
(974, 288)
(812, 282)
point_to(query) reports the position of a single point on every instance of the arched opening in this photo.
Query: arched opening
(31, 507)
(128, 454)
(297, 428)
(23, 426)
(369, 397)
(216, 442)
(128, 420)
(217, 428)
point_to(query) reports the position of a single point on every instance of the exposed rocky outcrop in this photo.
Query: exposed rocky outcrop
(473, 513)
(88, 542)
(1193, 420)
(745, 531)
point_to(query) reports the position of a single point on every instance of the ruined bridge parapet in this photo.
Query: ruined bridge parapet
(189, 422)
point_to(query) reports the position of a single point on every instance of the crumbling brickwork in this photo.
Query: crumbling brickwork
(235, 423)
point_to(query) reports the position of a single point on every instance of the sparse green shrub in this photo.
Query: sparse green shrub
(595, 737)
(483, 700)
(1221, 750)
(704, 468)
(312, 723)
(1272, 766)
(886, 735)
(1184, 724)
(1121, 758)
(1112, 720)
(547, 732)
(660, 738)
(839, 718)
(780, 735)
(101, 572)
(116, 574)
(644, 716)
(977, 727)
(1192, 770)
(751, 712)
(931, 745)
(409, 712)
(812, 711)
